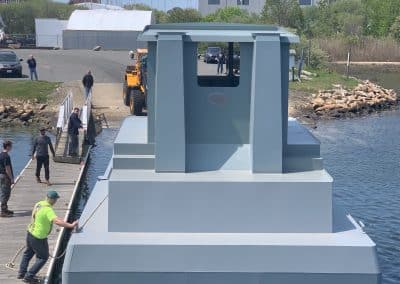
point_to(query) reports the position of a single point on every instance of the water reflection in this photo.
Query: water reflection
(363, 156)
(22, 138)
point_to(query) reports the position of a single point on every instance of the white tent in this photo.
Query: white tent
(109, 20)
(49, 32)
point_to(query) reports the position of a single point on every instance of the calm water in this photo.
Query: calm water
(363, 156)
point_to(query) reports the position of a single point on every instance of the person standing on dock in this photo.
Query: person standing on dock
(73, 131)
(87, 82)
(41, 147)
(6, 179)
(32, 67)
(43, 218)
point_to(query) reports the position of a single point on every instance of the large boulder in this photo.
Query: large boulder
(26, 115)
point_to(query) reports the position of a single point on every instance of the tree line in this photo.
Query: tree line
(350, 24)
(378, 18)
(19, 18)
(328, 31)
(350, 18)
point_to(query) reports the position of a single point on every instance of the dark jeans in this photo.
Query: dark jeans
(73, 144)
(220, 68)
(34, 246)
(87, 92)
(5, 191)
(33, 73)
(42, 161)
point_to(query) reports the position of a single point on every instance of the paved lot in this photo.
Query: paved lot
(69, 65)
(107, 101)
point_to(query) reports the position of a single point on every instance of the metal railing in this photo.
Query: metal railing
(86, 111)
(65, 111)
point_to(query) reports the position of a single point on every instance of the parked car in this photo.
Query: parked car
(10, 65)
(211, 55)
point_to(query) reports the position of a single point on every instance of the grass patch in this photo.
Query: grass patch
(26, 90)
(323, 81)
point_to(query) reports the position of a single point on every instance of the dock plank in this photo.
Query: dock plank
(24, 195)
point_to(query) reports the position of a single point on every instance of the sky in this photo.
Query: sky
(158, 4)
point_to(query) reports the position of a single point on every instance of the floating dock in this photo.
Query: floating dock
(65, 176)
(26, 192)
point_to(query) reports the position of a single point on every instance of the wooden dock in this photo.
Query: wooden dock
(65, 180)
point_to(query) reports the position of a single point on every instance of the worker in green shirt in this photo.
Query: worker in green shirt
(43, 218)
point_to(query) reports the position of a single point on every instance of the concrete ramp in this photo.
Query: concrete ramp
(107, 104)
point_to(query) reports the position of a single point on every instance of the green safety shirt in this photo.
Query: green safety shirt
(42, 220)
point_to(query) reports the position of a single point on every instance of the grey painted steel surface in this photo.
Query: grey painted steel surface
(170, 107)
(266, 110)
(216, 185)
(220, 205)
(112, 40)
(97, 255)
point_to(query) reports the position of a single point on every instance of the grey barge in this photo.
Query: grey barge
(216, 185)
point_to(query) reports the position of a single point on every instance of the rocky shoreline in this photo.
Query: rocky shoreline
(336, 103)
(365, 98)
(25, 113)
(34, 113)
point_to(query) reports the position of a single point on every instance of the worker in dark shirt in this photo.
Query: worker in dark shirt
(41, 148)
(32, 67)
(221, 62)
(87, 82)
(73, 131)
(6, 179)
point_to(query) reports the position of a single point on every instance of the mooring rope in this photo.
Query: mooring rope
(11, 264)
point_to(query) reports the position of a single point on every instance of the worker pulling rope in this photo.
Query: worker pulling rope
(11, 264)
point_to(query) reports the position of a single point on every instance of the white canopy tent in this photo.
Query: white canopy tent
(110, 29)
(109, 20)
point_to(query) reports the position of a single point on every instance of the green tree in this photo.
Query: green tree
(395, 29)
(20, 17)
(142, 7)
(285, 13)
(232, 15)
(159, 16)
(344, 17)
(380, 16)
(179, 15)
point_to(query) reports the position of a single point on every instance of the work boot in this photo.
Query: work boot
(38, 180)
(31, 280)
(21, 276)
(5, 214)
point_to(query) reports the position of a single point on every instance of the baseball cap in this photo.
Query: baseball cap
(52, 194)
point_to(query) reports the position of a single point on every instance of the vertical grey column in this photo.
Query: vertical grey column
(151, 89)
(170, 105)
(266, 108)
(285, 90)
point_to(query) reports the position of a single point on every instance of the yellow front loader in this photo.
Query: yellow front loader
(135, 91)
